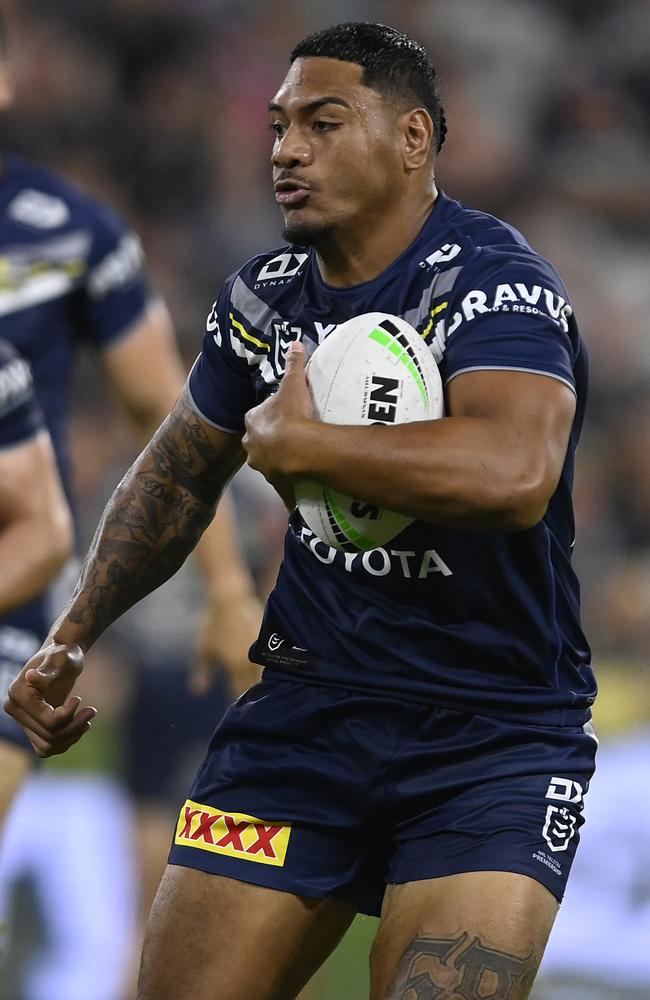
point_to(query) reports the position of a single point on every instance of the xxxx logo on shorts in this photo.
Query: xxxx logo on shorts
(233, 834)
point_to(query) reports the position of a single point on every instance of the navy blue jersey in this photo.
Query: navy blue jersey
(477, 620)
(70, 271)
(20, 419)
(20, 415)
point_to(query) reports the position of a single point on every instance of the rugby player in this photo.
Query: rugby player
(419, 746)
(73, 273)
(35, 542)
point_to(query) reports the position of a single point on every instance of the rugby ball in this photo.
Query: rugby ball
(373, 369)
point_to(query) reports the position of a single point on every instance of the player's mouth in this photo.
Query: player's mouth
(291, 192)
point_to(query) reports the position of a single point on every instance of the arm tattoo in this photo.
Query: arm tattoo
(152, 522)
(461, 968)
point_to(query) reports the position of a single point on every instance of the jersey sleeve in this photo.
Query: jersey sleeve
(20, 415)
(115, 293)
(221, 383)
(511, 315)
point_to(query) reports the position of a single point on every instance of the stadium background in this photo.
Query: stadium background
(159, 107)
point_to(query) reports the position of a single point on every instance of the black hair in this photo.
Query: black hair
(3, 36)
(394, 65)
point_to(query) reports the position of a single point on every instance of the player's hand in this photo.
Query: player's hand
(229, 627)
(270, 427)
(40, 700)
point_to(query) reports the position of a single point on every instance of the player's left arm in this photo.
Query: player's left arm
(493, 462)
(147, 375)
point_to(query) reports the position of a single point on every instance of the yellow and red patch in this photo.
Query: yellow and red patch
(233, 834)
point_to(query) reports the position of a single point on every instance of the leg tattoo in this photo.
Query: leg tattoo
(461, 968)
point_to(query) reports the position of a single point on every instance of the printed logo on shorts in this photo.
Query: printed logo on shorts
(559, 827)
(560, 821)
(564, 790)
(233, 834)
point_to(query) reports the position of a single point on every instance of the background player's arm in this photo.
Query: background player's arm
(35, 522)
(150, 525)
(146, 373)
(493, 463)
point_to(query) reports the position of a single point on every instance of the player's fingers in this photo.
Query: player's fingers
(296, 360)
(36, 718)
(59, 742)
(64, 715)
(51, 748)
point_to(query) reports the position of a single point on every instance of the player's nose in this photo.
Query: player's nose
(292, 150)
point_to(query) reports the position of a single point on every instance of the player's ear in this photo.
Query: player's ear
(417, 137)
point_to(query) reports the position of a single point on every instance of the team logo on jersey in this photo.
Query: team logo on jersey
(234, 834)
(38, 209)
(285, 334)
(118, 268)
(283, 266)
(441, 256)
(212, 325)
(15, 383)
(559, 827)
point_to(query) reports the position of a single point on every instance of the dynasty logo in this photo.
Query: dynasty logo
(233, 834)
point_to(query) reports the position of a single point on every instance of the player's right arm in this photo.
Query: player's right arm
(151, 523)
(35, 521)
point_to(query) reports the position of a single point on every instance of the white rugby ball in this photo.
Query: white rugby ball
(375, 368)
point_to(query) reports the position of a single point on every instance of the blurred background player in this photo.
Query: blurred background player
(552, 96)
(72, 274)
(35, 542)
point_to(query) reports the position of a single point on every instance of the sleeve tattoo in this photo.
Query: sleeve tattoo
(152, 522)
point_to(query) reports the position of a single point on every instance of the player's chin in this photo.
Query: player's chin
(300, 228)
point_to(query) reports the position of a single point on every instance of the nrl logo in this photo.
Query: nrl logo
(559, 827)
(275, 641)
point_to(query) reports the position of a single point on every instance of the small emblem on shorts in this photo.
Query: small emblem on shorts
(559, 827)
(275, 641)
(233, 834)
(564, 790)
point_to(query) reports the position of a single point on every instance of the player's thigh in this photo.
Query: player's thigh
(475, 935)
(213, 937)
(15, 764)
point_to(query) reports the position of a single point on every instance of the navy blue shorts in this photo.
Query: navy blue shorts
(321, 791)
(166, 729)
(16, 647)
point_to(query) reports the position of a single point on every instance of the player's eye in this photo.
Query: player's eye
(278, 128)
(322, 126)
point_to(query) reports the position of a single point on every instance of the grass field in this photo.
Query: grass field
(345, 974)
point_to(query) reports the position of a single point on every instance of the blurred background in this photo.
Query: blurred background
(159, 107)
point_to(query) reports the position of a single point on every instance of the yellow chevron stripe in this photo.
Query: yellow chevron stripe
(434, 312)
(249, 336)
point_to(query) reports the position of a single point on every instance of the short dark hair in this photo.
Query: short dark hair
(3, 36)
(394, 65)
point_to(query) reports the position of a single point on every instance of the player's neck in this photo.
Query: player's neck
(358, 254)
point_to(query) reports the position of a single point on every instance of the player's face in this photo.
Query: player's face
(336, 156)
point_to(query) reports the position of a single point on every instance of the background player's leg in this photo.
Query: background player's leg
(15, 764)
(479, 934)
(210, 937)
